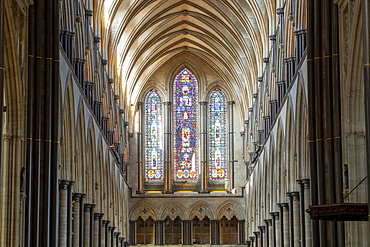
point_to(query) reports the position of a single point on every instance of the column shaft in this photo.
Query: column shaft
(286, 231)
(63, 208)
(215, 232)
(296, 219)
(159, 232)
(76, 220)
(186, 232)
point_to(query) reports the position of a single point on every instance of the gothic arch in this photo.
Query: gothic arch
(144, 209)
(172, 210)
(201, 209)
(68, 134)
(230, 208)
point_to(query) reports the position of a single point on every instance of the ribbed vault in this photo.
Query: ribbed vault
(229, 37)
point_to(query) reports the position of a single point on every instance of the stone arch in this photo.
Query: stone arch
(143, 209)
(301, 132)
(172, 210)
(290, 147)
(230, 208)
(201, 209)
(68, 135)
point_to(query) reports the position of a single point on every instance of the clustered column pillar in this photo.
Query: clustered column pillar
(296, 218)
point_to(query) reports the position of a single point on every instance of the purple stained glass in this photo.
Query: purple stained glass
(217, 136)
(185, 95)
(153, 137)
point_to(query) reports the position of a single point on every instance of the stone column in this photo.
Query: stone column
(215, 232)
(268, 233)
(296, 219)
(140, 168)
(159, 232)
(203, 147)
(167, 147)
(252, 241)
(275, 238)
(116, 239)
(69, 213)
(87, 224)
(307, 218)
(248, 243)
(280, 12)
(104, 233)
(286, 229)
(262, 235)
(76, 219)
(257, 235)
(241, 231)
(63, 208)
(291, 219)
(97, 229)
(110, 238)
(273, 40)
(186, 232)
(132, 232)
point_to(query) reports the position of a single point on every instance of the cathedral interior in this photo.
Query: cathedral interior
(184, 122)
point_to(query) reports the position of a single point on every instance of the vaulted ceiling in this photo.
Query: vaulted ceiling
(230, 37)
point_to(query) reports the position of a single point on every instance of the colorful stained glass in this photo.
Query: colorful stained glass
(153, 137)
(185, 94)
(217, 136)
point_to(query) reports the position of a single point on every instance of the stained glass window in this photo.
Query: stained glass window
(217, 136)
(153, 137)
(185, 94)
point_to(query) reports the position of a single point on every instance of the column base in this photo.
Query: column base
(140, 192)
(168, 192)
(203, 192)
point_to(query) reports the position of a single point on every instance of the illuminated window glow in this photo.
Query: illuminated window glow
(185, 126)
(217, 136)
(153, 137)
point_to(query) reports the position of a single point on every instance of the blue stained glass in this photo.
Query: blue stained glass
(185, 94)
(153, 137)
(217, 136)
